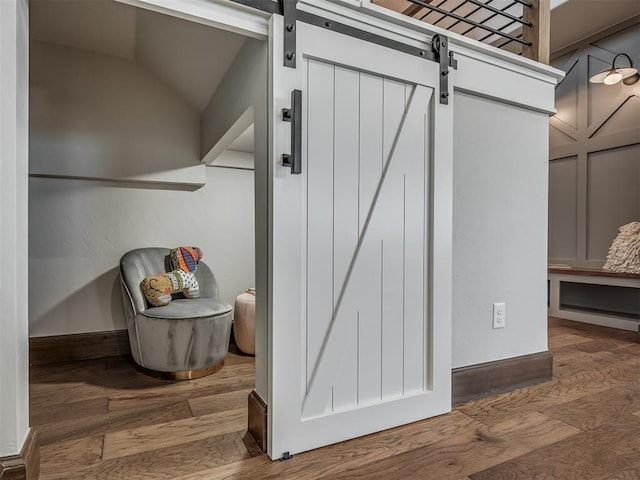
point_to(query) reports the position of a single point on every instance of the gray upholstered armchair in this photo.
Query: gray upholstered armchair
(186, 339)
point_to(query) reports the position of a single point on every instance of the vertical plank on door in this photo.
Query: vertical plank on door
(320, 167)
(370, 137)
(390, 213)
(416, 151)
(366, 282)
(426, 160)
(345, 223)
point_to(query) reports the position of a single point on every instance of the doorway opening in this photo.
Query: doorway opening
(145, 130)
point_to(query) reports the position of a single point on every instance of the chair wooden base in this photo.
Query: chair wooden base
(182, 374)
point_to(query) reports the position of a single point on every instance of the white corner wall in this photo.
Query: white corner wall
(499, 229)
(14, 129)
(80, 229)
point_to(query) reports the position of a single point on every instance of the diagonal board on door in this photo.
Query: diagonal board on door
(368, 161)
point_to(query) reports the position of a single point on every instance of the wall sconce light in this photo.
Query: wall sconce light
(628, 75)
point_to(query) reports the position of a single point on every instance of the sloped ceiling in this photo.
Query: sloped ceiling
(190, 58)
(98, 26)
(244, 143)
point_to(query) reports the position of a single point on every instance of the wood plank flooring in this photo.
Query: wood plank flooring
(100, 419)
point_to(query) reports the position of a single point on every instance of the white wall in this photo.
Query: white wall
(243, 93)
(499, 229)
(95, 116)
(14, 125)
(80, 229)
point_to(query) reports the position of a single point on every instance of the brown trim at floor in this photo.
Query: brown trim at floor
(257, 420)
(80, 346)
(26, 465)
(484, 379)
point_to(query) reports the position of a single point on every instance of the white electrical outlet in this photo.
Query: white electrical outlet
(499, 315)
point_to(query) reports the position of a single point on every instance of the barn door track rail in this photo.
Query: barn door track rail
(288, 8)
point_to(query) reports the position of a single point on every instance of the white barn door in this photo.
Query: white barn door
(361, 243)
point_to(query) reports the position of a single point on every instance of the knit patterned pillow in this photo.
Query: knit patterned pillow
(158, 289)
(185, 258)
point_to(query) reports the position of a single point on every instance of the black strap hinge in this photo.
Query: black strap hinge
(289, 11)
(440, 47)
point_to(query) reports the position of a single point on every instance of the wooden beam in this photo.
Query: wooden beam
(413, 9)
(539, 33)
(401, 6)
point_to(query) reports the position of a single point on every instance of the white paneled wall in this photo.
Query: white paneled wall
(594, 169)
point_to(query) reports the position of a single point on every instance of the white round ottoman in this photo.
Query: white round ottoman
(244, 321)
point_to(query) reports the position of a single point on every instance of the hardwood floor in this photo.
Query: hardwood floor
(100, 419)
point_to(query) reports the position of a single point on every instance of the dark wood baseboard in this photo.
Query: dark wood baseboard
(26, 465)
(257, 424)
(484, 379)
(80, 346)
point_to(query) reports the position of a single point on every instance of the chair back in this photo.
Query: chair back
(138, 264)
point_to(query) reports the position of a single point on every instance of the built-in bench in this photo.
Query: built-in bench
(595, 296)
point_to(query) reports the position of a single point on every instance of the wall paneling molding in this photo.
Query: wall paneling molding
(594, 182)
